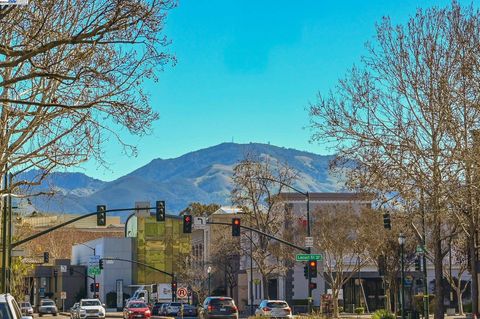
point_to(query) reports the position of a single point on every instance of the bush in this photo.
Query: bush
(467, 307)
(383, 314)
(359, 310)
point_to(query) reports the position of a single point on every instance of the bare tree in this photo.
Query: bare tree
(257, 185)
(392, 119)
(71, 75)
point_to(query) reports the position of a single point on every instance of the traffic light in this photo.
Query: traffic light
(46, 257)
(71, 270)
(386, 221)
(100, 264)
(97, 287)
(187, 224)
(92, 287)
(174, 289)
(418, 264)
(313, 285)
(235, 227)
(160, 210)
(312, 265)
(101, 215)
(305, 271)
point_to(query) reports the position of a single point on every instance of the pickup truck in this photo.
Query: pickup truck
(9, 308)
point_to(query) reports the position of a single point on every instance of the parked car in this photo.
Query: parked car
(47, 307)
(274, 308)
(26, 308)
(189, 310)
(216, 307)
(173, 309)
(163, 309)
(90, 308)
(156, 308)
(136, 309)
(9, 308)
(74, 310)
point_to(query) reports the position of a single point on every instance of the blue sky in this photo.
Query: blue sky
(247, 70)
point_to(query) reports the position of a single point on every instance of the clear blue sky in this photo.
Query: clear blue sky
(248, 69)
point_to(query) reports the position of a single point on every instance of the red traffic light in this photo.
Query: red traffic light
(313, 263)
(97, 285)
(187, 219)
(236, 221)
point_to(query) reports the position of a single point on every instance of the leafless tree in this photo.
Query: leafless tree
(393, 118)
(257, 185)
(71, 78)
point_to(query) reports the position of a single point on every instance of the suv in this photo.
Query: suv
(218, 307)
(9, 308)
(47, 306)
(90, 308)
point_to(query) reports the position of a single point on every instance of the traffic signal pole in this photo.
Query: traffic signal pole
(309, 252)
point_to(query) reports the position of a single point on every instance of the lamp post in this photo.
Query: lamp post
(401, 241)
(209, 270)
(307, 198)
(94, 276)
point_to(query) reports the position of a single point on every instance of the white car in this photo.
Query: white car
(47, 307)
(91, 308)
(274, 308)
(26, 308)
(9, 308)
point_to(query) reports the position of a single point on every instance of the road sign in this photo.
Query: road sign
(200, 222)
(94, 265)
(182, 293)
(63, 268)
(408, 280)
(306, 257)
(41, 292)
(420, 249)
(63, 295)
(309, 242)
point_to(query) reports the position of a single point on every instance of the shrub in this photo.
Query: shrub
(383, 314)
(359, 310)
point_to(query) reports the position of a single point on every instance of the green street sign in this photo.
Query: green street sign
(94, 271)
(420, 249)
(306, 257)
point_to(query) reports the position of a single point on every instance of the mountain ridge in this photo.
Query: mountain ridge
(199, 176)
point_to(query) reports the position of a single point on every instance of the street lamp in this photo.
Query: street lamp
(307, 199)
(401, 241)
(94, 275)
(209, 270)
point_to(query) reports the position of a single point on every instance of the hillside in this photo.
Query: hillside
(203, 176)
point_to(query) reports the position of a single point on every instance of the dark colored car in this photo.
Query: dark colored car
(218, 307)
(136, 309)
(189, 310)
(156, 308)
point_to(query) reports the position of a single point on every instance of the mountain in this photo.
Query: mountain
(200, 176)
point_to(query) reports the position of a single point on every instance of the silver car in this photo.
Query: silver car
(274, 308)
(47, 307)
(26, 308)
(74, 310)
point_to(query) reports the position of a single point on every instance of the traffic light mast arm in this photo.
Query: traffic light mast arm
(139, 263)
(306, 250)
(81, 273)
(49, 230)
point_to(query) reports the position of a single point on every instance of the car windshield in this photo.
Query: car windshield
(277, 304)
(137, 305)
(26, 304)
(4, 313)
(175, 304)
(221, 302)
(48, 303)
(90, 303)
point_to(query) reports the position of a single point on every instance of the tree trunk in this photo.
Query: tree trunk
(336, 313)
(473, 268)
(388, 300)
(438, 257)
(459, 298)
(265, 287)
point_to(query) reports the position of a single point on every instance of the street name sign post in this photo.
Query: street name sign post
(307, 257)
(94, 265)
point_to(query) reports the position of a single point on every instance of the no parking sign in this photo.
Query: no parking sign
(182, 293)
